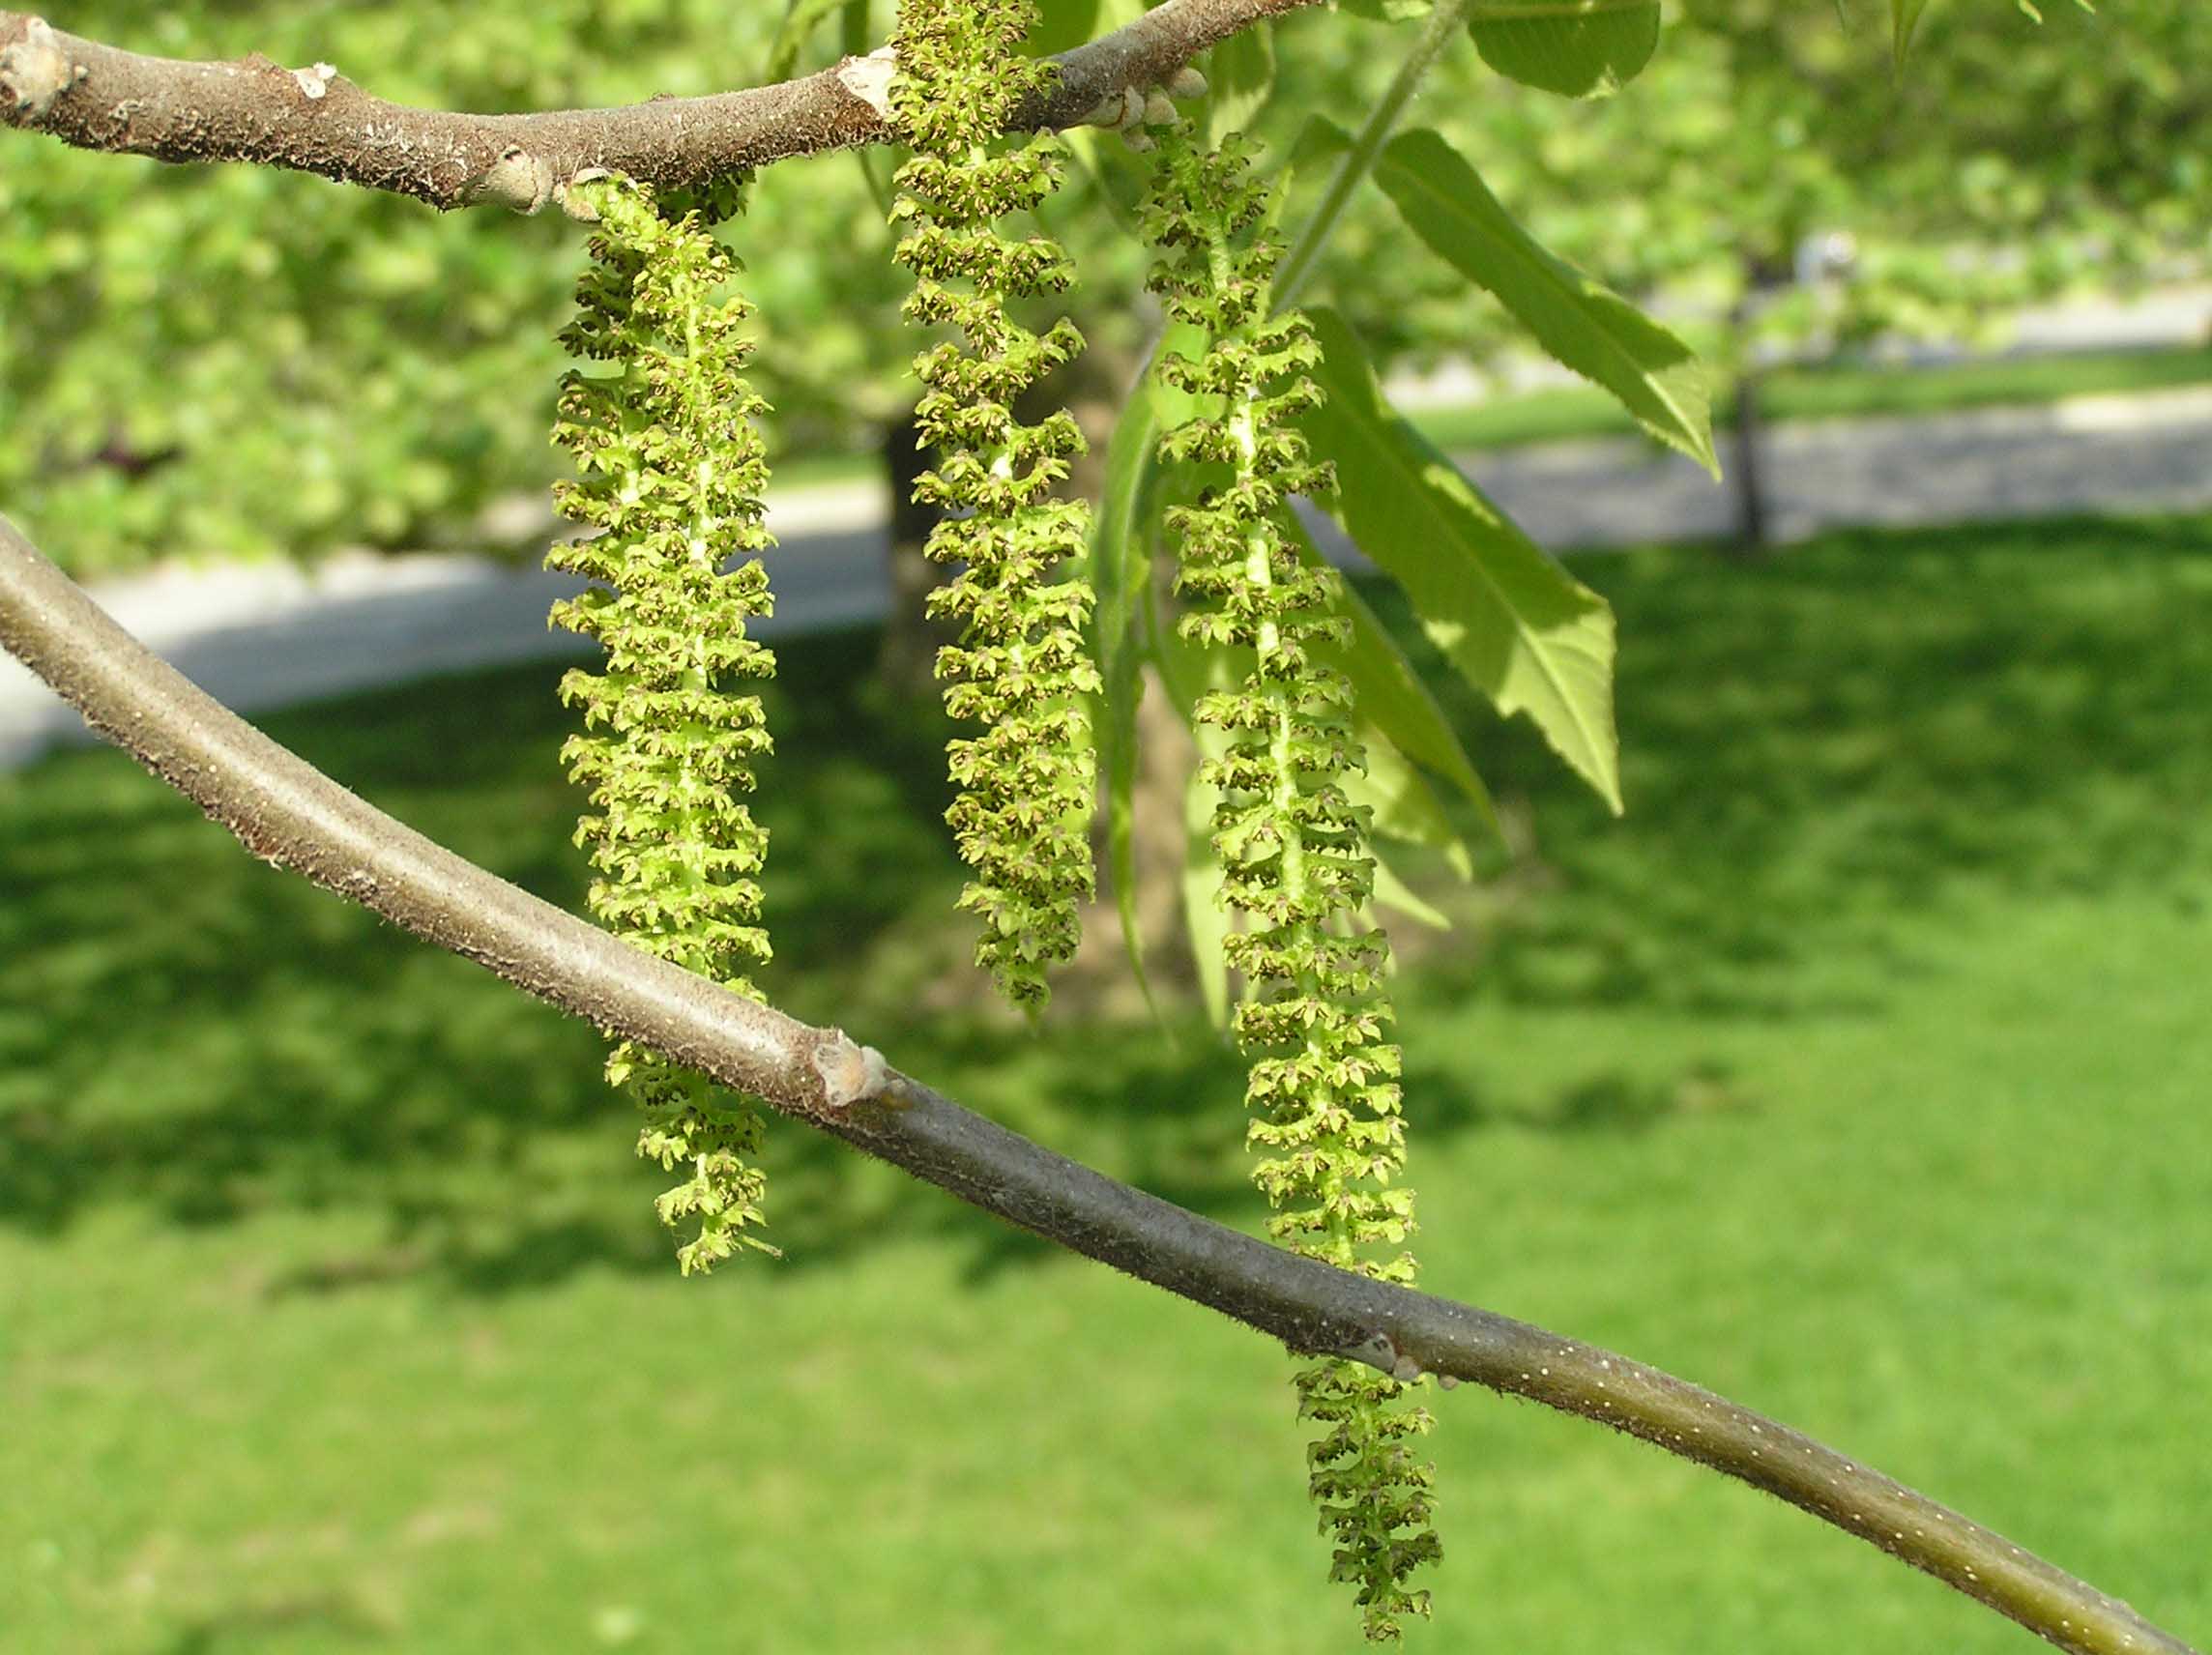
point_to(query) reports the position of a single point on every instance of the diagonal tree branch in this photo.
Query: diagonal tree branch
(290, 814)
(315, 120)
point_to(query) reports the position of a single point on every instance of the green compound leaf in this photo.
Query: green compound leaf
(1516, 625)
(1578, 48)
(1582, 323)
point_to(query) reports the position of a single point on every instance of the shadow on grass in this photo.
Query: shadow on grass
(1860, 729)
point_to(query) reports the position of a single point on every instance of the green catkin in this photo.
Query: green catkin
(1323, 1082)
(1027, 783)
(671, 472)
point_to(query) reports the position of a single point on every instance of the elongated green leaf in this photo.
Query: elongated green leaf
(1187, 673)
(1404, 807)
(1392, 892)
(1516, 625)
(1242, 75)
(1121, 549)
(853, 29)
(1319, 140)
(1391, 702)
(800, 19)
(1579, 48)
(1204, 914)
(1121, 570)
(1903, 18)
(1583, 323)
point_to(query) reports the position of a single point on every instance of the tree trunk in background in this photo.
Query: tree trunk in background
(1744, 466)
(1764, 275)
(1096, 388)
(907, 660)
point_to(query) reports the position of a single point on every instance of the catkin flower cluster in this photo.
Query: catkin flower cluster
(1323, 1088)
(1020, 668)
(670, 471)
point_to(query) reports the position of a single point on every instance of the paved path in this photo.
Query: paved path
(2132, 454)
(266, 635)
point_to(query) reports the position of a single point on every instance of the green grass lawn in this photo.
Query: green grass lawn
(1862, 1072)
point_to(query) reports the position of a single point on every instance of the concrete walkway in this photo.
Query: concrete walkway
(266, 635)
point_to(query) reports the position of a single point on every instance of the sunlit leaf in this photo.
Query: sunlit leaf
(1394, 707)
(1583, 324)
(1579, 48)
(1515, 625)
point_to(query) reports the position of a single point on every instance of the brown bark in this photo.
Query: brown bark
(314, 119)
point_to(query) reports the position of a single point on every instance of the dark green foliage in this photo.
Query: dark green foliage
(1292, 847)
(672, 476)
(1020, 669)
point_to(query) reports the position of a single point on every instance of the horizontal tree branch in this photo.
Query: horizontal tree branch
(314, 119)
(291, 815)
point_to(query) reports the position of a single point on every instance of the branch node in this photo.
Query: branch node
(1378, 1351)
(517, 179)
(1186, 83)
(578, 209)
(1116, 110)
(851, 1073)
(313, 83)
(869, 79)
(36, 71)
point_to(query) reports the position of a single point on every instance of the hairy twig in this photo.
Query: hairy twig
(290, 814)
(314, 118)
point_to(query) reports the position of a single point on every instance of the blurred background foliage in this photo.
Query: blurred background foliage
(229, 361)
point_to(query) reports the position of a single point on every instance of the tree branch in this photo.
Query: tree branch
(315, 120)
(291, 815)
